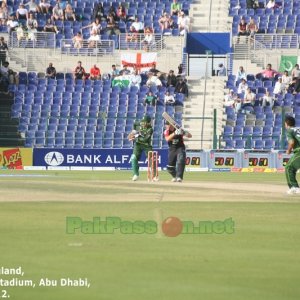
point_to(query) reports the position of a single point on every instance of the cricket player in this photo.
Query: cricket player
(291, 168)
(176, 155)
(142, 137)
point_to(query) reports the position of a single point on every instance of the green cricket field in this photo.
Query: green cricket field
(57, 242)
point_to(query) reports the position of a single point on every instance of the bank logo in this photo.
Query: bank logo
(54, 158)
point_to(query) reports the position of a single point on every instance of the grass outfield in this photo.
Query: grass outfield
(260, 260)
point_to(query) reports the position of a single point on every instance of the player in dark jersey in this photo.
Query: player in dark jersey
(176, 155)
(291, 168)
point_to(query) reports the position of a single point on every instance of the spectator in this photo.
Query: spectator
(279, 87)
(3, 13)
(50, 27)
(286, 80)
(169, 99)
(175, 8)
(242, 29)
(121, 13)
(181, 87)
(271, 4)
(183, 23)
(148, 40)
(181, 71)
(93, 40)
(230, 99)
(135, 79)
(252, 4)
(98, 11)
(3, 50)
(165, 22)
(171, 79)
(44, 7)
(79, 72)
(268, 73)
(249, 98)
(31, 23)
(69, 13)
(241, 74)
(115, 72)
(295, 72)
(95, 73)
(9, 75)
(125, 70)
(252, 28)
(22, 12)
(112, 27)
(242, 86)
(20, 33)
(267, 100)
(12, 24)
(222, 70)
(33, 6)
(51, 71)
(153, 80)
(138, 25)
(77, 41)
(131, 35)
(95, 26)
(62, 3)
(57, 13)
(150, 99)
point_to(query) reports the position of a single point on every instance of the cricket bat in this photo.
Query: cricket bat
(171, 121)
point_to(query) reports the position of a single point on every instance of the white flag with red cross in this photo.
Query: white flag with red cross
(140, 61)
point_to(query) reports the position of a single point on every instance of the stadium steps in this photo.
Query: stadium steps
(9, 135)
(193, 107)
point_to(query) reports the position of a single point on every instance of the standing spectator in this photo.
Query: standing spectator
(135, 79)
(77, 41)
(3, 50)
(3, 13)
(295, 72)
(241, 74)
(183, 23)
(165, 22)
(242, 86)
(252, 28)
(98, 11)
(12, 24)
(95, 26)
(22, 12)
(150, 99)
(79, 72)
(57, 13)
(115, 72)
(69, 13)
(51, 71)
(171, 79)
(50, 27)
(93, 40)
(148, 40)
(33, 6)
(267, 100)
(268, 73)
(95, 73)
(138, 25)
(180, 71)
(44, 7)
(222, 70)
(169, 99)
(175, 8)
(181, 87)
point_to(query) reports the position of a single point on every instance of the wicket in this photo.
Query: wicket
(152, 171)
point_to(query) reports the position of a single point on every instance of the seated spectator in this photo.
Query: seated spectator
(112, 13)
(286, 80)
(69, 13)
(125, 70)
(31, 23)
(22, 12)
(50, 27)
(62, 3)
(20, 33)
(150, 99)
(9, 75)
(279, 87)
(165, 22)
(181, 87)
(271, 4)
(51, 71)
(115, 72)
(57, 13)
(267, 100)
(135, 79)
(252, 4)
(138, 25)
(98, 11)
(95, 73)
(241, 74)
(171, 79)
(295, 72)
(249, 98)
(77, 41)
(121, 13)
(242, 29)
(131, 35)
(268, 73)
(112, 27)
(33, 6)
(79, 72)
(153, 80)
(3, 50)
(175, 8)
(44, 7)
(3, 14)
(12, 24)
(243, 86)
(252, 28)
(183, 23)
(230, 99)
(148, 40)
(169, 99)
(222, 70)
(93, 40)
(95, 26)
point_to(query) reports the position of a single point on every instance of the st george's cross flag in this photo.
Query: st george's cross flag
(140, 61)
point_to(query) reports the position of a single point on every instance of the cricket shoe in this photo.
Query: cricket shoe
(174, 179)
(135, 177)
(156, 179)
(179, 179)
(293, 190)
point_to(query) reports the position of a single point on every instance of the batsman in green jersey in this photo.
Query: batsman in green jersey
(142, 137)
(291, 168)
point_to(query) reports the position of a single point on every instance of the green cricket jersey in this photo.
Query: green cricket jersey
(145, 137)
(293, 133)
